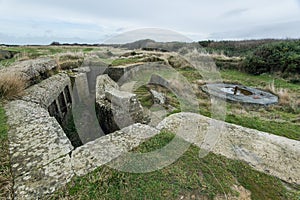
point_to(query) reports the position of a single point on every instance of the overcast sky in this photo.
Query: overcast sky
(95, 21)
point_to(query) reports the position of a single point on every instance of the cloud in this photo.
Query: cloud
(45, 39)
(159, 35)
(234, 12)
(283, 30)
(94, 20)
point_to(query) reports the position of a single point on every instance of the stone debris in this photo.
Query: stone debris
(158, 97)
(116, 109)
(125, 106)
(265, 152)
(104, 82)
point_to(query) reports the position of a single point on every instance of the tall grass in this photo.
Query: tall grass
(282, 93)
(12, 86)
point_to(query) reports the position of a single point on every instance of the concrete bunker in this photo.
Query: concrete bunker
(48, 161)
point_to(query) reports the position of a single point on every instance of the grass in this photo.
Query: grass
(286, 129)
(191, 74)
(32, 52)
(144, 96)
(189, 177)
(88, 49)
(5, 173)
(11, 86)
(282, 93)
(276, 119)
(255, 81)
(69, 60)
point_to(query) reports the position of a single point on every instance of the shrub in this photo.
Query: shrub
(280, 57)
(12, 86)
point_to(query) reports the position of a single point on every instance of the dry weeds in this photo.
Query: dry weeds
(282, 93)
(12, 86)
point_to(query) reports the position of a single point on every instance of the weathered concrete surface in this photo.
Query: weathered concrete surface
(47, 91)
(253, 96)
(126, 107)
(33, 70)
(5, 54)
(36, 144)
(103, 150)
(103, 83)
(39, 182)
(158, 97)
(105, 116)
(116, 109)
(82, 88)
(275, 155)
(103, 106)
(118, 72)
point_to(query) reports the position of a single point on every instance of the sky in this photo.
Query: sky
(99, 21)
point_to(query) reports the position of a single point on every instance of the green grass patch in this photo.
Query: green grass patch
(5, 172)
(190, 176)
(286, 129)
(144, 96)
(88, 49)
(3, 125)
(7, 62)
(191, 74)
(257, 80)
(155, 143)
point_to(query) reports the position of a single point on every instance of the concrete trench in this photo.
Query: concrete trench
(43, 158)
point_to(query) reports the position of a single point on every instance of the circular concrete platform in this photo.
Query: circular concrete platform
(240, 93)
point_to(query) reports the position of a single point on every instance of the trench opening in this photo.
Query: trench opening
(53, 111)
(62, 104)
(80, 123)
(70, 130)
(68, 95)
(61, 110)
(74, 109)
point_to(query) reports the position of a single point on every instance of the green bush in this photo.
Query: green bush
(233, 48)
(276, 58)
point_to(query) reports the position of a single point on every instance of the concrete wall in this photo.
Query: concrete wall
(53, 94)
